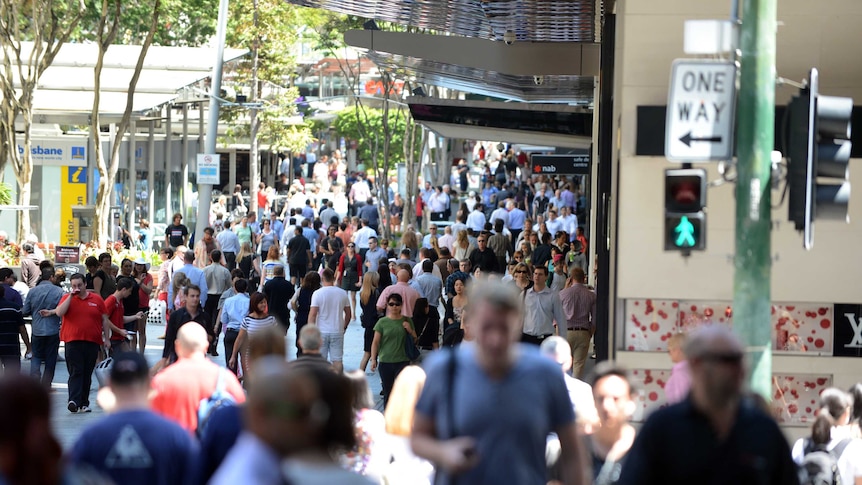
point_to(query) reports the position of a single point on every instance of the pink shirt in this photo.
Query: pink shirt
(676, 388)
(408, 297)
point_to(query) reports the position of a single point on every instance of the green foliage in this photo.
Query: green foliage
(276, 33)
(6, 196)
(182, 22)
(365, 126)
(277, 24)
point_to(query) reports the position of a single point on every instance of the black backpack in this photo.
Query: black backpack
(820, 466)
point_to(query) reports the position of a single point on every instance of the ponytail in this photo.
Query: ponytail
(821, 430)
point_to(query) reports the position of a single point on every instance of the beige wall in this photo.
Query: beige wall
(823, 34)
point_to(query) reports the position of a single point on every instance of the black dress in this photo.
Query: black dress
(369, 318)
(303, 307)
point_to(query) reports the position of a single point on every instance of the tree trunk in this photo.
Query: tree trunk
(25, 174)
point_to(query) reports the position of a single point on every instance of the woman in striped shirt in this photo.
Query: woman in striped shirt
(258, 318)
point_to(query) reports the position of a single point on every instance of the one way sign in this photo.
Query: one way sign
(700, 111)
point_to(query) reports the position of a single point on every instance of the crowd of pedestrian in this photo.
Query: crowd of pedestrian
(479, 328)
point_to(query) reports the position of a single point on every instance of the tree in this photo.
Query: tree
(181, 22)
(106, 32)
(268, 28)
(48, 24)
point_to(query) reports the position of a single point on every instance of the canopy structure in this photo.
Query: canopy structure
(65, 90)
(520, 50)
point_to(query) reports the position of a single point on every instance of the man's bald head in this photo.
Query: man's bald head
(403, 276)
(191, 340)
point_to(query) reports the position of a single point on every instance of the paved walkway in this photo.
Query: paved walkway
(68, 426)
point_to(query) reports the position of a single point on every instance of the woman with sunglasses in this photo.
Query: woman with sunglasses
(349, 274)
(267, 239)
(387, 348)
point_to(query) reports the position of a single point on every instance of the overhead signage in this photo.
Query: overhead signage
(209, 171)
(701, 111)
(568, 164)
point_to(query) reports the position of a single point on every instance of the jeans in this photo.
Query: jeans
(229, 339)
(388, 373)
(45, 350)
(81, 358)
(332, 346)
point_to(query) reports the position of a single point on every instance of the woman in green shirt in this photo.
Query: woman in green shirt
(387, 349)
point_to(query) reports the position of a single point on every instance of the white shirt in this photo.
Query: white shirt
(581, 395)
(500, 214)
(361, 237)
(330, 302)
(476, 221)
(360, 191)
(438, 202)
(849, 463)
(570, 223)
(554, 225)
(417, 270)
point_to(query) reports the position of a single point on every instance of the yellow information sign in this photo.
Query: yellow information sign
(73, 192)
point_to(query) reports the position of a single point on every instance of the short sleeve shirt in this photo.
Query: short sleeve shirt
(176, 234)
(330, 302)
(537, 403)
(392, 339)
(83, 320)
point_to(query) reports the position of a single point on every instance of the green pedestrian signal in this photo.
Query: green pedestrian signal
(685, 233)
(685, 201)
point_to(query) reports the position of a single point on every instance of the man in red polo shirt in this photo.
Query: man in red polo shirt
(85, 327)
(114, 309)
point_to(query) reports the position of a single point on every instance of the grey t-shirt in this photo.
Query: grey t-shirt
(510, 419)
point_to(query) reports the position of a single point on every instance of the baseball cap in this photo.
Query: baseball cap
(129, 367)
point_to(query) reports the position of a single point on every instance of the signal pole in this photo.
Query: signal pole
(755, 140)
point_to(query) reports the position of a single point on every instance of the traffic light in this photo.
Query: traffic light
(684, 201)
(818, 152)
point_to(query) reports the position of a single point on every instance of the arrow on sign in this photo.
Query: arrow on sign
(687, 139)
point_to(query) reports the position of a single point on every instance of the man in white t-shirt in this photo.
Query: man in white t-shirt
(330, 310)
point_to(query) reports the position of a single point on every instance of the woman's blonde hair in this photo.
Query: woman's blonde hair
(463, 240)
(402, 401)
(244, 251)
(370, 280)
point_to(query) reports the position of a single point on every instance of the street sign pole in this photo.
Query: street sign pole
(755, 140)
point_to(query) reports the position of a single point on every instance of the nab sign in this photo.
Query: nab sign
(561, 164)
(700, 111)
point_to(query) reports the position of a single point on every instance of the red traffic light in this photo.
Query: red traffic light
(685, 190)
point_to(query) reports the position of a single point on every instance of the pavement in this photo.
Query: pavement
(68, 426)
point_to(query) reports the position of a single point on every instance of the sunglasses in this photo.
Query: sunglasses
(393, 304)
(520, 271)
(351, 246)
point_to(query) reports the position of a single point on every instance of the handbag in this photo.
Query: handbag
(410, 347)
(103, 371)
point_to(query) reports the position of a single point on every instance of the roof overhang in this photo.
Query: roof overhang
(544, 72)
(473, 57)
(65, 90)
(535, 124)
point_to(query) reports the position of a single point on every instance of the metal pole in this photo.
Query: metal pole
(755, 141)
(254, 155)
(205, 191)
